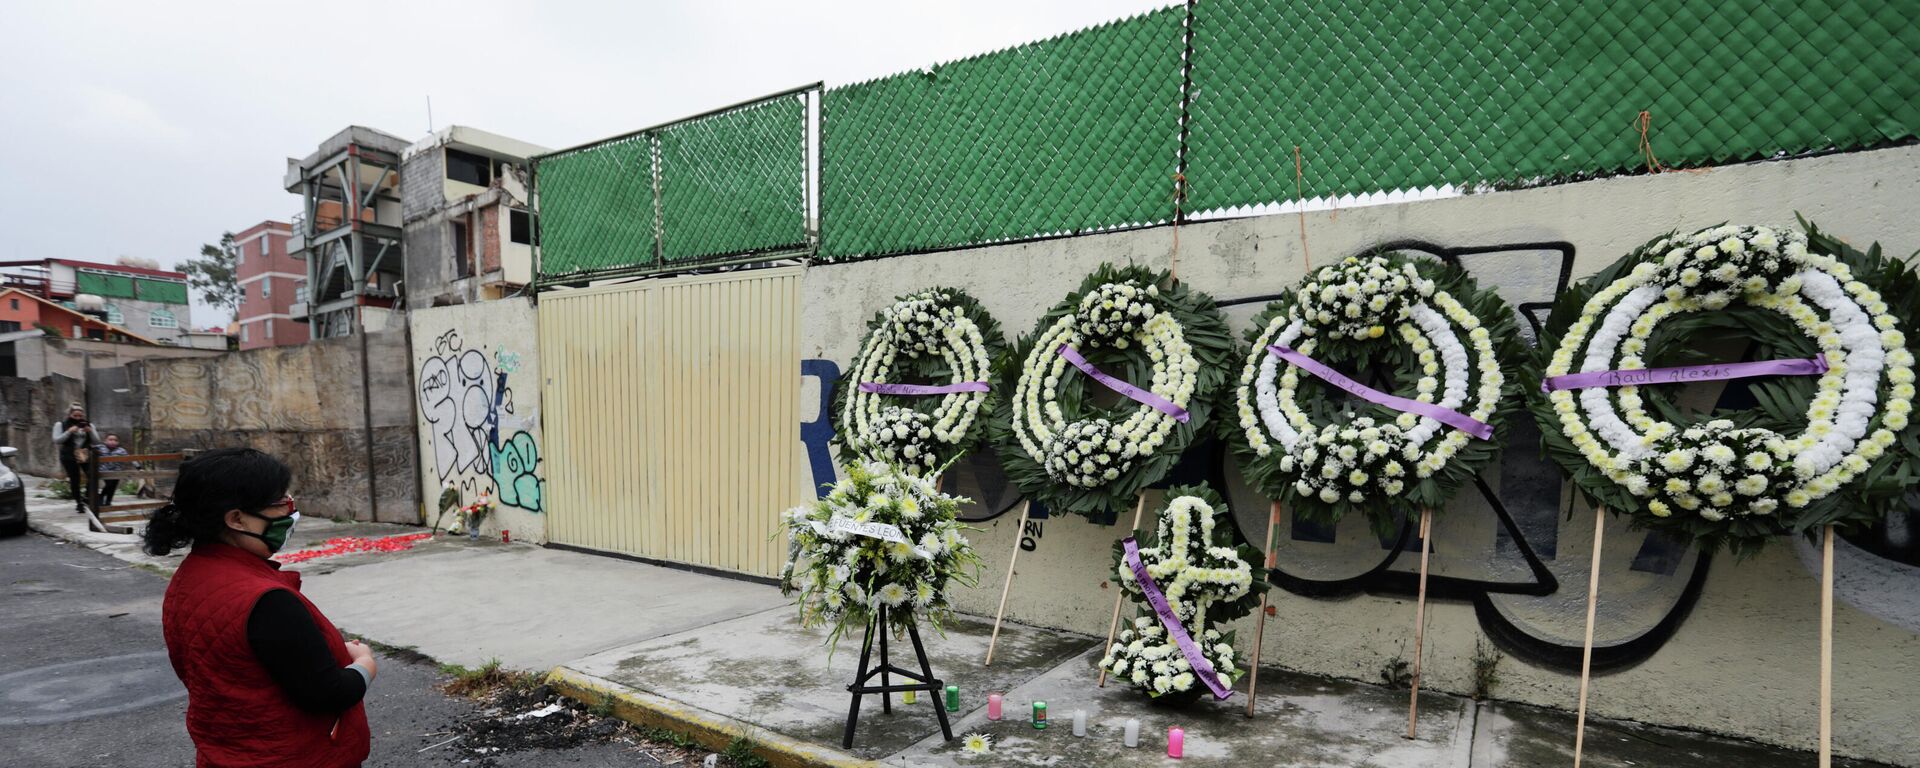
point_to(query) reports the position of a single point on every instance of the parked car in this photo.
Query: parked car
(13, 496)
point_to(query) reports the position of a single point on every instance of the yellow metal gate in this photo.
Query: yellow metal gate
(671, 417)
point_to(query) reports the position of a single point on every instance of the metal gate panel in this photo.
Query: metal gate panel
(672, 411)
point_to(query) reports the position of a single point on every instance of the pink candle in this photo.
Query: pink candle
(1176, 742)
(993, 706)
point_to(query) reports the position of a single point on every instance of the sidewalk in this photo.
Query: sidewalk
(719, 658)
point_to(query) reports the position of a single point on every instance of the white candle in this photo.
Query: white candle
(1131, 735)
(1079, 722)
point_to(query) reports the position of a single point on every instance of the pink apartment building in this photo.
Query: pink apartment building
(271, 282)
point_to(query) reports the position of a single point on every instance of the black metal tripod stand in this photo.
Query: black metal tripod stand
(923, 681)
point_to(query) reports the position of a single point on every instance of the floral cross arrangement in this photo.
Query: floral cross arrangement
(1205, 580)
(1829, 438)
(882, 538)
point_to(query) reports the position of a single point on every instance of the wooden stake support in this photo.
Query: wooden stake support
(1119, 595)
(1586, 650)
(1260, 625)
(1826, 648)
(1019, 530)
(1420, 619)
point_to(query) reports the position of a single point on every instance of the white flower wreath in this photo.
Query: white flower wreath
(1166, 340)
(1714, 471)
(939, 328)
(1357, 309)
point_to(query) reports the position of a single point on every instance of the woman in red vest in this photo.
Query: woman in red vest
(270, 682)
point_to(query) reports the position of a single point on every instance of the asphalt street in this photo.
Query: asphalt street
(84, 679)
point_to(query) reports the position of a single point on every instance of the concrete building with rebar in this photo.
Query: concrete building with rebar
(348, 232)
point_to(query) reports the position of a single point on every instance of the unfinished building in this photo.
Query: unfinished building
(348, 232)
(468, 230)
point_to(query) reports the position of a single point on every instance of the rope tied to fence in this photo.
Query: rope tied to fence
(1179, 194)
(1644, 122)
(1300, 203)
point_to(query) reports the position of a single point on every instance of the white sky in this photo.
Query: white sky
(147, 129)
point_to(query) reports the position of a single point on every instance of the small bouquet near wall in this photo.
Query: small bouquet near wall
(882, 537)
(471, 515)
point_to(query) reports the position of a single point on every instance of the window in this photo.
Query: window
(520, 227)
(162, 318)
(243, 334)
(266, 288)
(462, 250)
(9, 326)
(76, 331)
(300, 294)
(16, 303)
(269, 326)
(469, 167)
(114, 316)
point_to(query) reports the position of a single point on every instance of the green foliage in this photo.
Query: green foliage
(1486, 668)
(1212, 343)
(214, 273)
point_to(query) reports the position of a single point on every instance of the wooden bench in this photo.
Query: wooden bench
(120, 518)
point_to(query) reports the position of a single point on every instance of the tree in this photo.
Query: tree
(213, 273)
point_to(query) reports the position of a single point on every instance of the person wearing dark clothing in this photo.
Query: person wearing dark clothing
(72, 438)
(111, 448)
(270, 681)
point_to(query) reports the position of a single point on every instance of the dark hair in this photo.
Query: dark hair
(209, 485)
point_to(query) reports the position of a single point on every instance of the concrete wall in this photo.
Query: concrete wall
(477, 368)
(28, 410)
(1742, 660)
(303, 404)
(40, 357)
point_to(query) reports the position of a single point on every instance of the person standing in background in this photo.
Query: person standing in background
(73, 437)
(112, 448)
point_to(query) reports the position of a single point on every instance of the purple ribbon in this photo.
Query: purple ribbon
(923, 389)
(1812, 366)
(1202, 668)
(1137, 394)
(1447, 416)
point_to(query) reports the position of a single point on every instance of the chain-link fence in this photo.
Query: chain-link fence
(699, 191)
(1071, 134)
(1424, 93)
(1086, 132)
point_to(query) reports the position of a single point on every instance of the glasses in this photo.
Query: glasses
(285, 501)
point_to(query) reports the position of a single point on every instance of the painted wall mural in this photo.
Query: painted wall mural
(481, 440)
(1508, 547)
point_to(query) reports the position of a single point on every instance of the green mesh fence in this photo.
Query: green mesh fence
(1386, 96)
(1070, 134)
(596, 208)
(735, 182)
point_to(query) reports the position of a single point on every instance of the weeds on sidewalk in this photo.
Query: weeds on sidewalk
(1486, 668)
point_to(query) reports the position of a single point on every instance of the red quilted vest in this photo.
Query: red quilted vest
(236, 714)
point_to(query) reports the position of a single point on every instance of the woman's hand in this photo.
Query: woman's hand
(363, 656)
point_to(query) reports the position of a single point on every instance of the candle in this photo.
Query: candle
(993, 706)
(1130, 736)
(1079, 722)
(953, 698)
(1040, 715)
(1176, 742)
(910, 697)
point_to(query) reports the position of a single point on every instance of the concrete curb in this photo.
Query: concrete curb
(712, 731)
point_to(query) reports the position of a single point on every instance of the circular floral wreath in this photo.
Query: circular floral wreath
(1813, 450)
(1137, 325)
(939, 335)
(1417, 323)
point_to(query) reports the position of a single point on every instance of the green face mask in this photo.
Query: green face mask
(278, 529)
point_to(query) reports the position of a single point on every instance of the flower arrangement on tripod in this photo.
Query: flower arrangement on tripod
(883, 537)
(1130, 330)
(1448, 354)
(1204, 580)
(1826, 439)
(938, 335)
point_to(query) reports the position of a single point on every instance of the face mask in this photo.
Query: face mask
(278, 529)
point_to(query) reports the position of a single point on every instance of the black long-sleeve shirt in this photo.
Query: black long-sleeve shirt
(288, 643)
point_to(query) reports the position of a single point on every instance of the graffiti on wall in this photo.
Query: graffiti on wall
(1508, 545)
(480, 440)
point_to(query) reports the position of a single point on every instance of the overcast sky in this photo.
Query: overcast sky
(147, 129)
